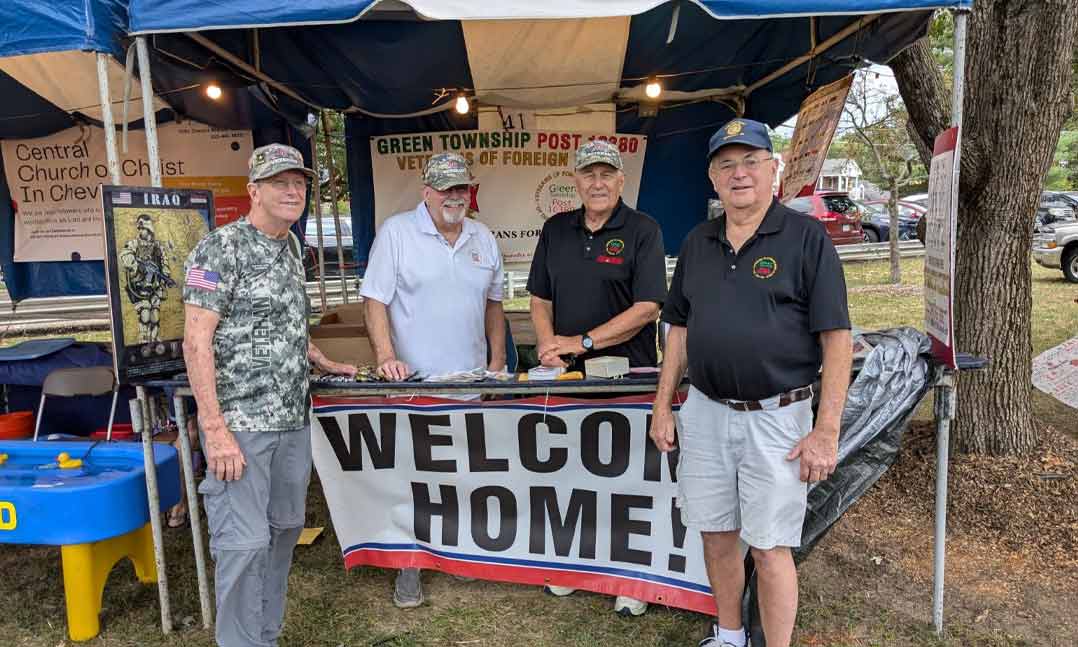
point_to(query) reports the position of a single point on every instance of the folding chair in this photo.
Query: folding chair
(71, 382)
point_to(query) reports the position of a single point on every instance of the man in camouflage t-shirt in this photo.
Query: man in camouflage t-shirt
(248, 357)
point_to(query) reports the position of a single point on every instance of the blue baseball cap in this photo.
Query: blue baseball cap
(740, 131)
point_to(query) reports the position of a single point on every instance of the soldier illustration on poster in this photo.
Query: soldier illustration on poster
(147, 277)
(149, 232)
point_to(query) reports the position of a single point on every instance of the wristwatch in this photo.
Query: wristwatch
(587, 342)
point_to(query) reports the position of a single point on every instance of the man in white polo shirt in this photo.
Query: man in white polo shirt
(433, 295)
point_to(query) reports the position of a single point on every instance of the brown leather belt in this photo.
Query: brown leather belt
(797, 395)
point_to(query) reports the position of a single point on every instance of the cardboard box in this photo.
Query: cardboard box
(341, 335)
(352, 313)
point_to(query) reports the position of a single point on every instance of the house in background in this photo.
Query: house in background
(841, 175)
(873, 192)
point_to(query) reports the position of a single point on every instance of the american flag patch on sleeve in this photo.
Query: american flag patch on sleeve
(203, 279)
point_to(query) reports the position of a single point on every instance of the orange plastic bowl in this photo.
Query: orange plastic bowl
(17, 425)
(120, 431)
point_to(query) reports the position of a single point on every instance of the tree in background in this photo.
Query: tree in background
(879, 141)
(340, 160)
(779, 142)
(1063, 175)
(1018, 93)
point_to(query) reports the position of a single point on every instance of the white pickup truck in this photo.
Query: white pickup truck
(1056, 247)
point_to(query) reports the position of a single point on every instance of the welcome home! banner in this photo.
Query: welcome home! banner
(533, 491)
(524, 177)
(55, 182)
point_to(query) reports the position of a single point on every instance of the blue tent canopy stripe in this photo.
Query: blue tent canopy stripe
(390, 66)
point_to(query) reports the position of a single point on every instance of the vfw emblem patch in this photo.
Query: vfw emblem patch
(765, 267)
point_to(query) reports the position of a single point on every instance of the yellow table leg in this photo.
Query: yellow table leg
(86, 568)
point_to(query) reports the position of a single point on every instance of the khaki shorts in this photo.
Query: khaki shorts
(733, 473)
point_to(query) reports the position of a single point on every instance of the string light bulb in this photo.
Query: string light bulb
(213, 91)
(653, 88)
(462, 105)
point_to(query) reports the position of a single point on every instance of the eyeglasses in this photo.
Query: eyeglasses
(459, 190)
(750, 164)
(598, 175)
(281, 184)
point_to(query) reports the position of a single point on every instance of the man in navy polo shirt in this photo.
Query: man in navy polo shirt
(598, 276)
(756, 306)
(598, 279)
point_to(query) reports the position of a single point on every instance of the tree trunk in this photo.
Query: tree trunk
(1017, 94)
(920, 82)
(892, 218)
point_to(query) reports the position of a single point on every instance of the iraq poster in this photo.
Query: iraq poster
(149, 233)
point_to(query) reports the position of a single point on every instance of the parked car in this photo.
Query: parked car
(1055, 206)
(1056, 247)
(906, 208)
(920, 199)
(329, 244)
(876, 222)
(837, 211)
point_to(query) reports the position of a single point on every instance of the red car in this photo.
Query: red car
(836, 211)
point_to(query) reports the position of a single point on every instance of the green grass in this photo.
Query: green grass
(331, 607)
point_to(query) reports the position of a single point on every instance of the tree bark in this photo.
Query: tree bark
(920, 81)
(892, 218)
(1017, 94)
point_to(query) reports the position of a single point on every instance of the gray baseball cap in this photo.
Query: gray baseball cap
(598, 151)
(446, 170)
(267, 161)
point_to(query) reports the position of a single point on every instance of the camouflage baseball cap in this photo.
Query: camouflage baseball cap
(598, 151)
(447, 170)
(267, 161)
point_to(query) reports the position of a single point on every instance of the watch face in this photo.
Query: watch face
(586, 342)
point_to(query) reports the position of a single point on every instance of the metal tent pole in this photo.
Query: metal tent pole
(316, 188)
(944, 413)
(148, 116)
(945, 391)
(194, 514)
(140, 423)
(336, 209)
(106, 117)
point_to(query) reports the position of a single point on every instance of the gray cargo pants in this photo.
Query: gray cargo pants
(254, 524)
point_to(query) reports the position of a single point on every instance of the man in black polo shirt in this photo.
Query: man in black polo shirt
(757, 304)
(598, 279)
(598, 276)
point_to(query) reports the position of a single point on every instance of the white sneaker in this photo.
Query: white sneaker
(629, 607)
(712, 639)
(558, 591)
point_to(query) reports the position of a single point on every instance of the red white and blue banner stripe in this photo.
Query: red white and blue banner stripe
(543, 490)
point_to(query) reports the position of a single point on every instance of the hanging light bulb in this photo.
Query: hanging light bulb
(462, 106)
(653, 89)
(213, 91)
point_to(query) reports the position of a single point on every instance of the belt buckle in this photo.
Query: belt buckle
(746, 405)
(795, 395)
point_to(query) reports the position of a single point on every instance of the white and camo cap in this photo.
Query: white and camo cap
(598, 151)
(447, 170)
(267, 161)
